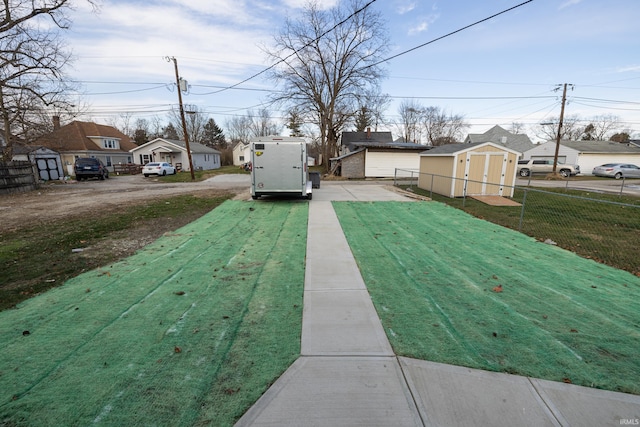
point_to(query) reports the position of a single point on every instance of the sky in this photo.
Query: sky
(504, 70)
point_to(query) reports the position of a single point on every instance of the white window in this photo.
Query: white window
(110, 144)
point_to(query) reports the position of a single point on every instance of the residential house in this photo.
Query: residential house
(375, 155)
(241, 154)
(587, 154)
(87, 139)
(175, 152)
(501, 136)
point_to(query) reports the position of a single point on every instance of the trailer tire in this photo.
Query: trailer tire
(255, 197)
(309, 196)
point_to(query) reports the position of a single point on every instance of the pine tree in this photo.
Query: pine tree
(213, 135)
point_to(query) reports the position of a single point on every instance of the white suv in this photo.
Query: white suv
(528, 167)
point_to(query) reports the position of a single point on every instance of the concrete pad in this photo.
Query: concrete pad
(456, 396)
(342, 323)
(335, 391)
(360, 191)
(582, 406)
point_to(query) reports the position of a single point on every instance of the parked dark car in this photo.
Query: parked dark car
(86, 167)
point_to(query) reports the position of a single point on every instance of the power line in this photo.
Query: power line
(448, 34)
(298, 50)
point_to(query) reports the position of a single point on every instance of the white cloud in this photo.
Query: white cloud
(299, 4)
(405, 7)
(423, 24)
(629, 68)
(569, 3)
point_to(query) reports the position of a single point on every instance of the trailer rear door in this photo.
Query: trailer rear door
(278, 168)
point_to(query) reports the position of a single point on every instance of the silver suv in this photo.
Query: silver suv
(531, 166)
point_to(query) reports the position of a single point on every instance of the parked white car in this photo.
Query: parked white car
(617, 170)
(158, 168)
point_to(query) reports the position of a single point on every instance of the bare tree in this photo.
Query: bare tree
(411, 112)
(325, 60)
(262, 124)
(442, 128)
(239, 129)
(371, 107)
(32, 60)
(600, 127)
(516, 127)
(571, 129)
(195, 121)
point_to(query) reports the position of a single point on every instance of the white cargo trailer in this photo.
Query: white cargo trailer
(279, 167)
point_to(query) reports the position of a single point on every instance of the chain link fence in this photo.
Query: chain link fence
(602, 227)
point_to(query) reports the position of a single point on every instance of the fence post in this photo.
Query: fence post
(411, 182)
(524, 202)
(395, 177)
(464, 192)
(621, 187)
(431, 190)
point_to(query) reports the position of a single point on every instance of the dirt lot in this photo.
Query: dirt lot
(53, 202)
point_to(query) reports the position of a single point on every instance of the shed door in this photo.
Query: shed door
(485, 173)
(48, 169)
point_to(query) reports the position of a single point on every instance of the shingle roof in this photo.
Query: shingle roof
(601, 147)
(75, 136)
(193, 146)
(355, 140)
(499, 135)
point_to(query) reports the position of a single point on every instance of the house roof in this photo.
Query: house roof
(193, 146)
(452, 149)
(76, 136)
(596, 147)
(499, 135)
(355, 140)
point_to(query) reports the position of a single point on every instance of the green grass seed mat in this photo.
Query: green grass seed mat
(451, 288)
(190, 330)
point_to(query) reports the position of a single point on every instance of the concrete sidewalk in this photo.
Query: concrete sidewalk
(347, 374)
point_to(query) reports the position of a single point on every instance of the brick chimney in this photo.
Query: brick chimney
(369, 133)
(56, 122)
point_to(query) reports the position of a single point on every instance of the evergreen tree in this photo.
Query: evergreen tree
(364, 119)
(213, 135)
(294, 123)
(170, 132)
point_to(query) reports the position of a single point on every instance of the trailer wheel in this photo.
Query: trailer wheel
(255, 197)
(309, 196)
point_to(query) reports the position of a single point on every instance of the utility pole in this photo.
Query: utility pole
(182, 117)
(555, 156)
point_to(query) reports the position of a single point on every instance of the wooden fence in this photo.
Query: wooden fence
(129, 168)
(17, 177)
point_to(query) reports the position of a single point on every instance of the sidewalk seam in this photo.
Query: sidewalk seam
(559, 418)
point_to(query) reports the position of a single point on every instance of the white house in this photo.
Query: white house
(587, 154)
(174, 152)
(241, 153)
